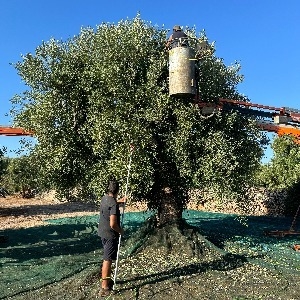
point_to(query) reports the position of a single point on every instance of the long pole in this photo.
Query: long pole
(122, 216)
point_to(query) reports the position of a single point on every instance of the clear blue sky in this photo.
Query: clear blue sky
(263, 35)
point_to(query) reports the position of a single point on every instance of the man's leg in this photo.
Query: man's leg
(106, 273)
(110, 249)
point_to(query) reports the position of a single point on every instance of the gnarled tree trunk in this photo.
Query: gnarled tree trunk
(169, 209)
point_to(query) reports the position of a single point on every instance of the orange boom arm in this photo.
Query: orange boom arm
(14, 131)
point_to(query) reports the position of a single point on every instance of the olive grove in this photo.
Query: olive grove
(89, 98)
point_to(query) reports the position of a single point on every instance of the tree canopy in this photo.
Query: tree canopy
(91, 96)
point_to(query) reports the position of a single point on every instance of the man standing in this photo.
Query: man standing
(177, 38)
(109, 230)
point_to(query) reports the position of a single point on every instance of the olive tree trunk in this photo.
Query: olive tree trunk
(169, 209)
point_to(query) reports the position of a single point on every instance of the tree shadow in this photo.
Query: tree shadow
(228, 262)
(219, 228)
(81, 236)
(33, 210)
(47, 241)
(64, 236)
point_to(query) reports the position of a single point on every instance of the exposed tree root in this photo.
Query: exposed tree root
(176, 239)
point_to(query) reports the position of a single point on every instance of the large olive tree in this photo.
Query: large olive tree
(89, 98)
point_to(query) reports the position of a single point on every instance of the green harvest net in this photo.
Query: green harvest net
(35, 257)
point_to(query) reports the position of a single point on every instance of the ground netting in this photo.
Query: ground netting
(36, 257)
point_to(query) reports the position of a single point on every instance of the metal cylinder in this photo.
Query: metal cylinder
(182, 81)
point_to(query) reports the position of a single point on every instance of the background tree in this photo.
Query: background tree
(21, 175)
(283, 171)
(92, 96)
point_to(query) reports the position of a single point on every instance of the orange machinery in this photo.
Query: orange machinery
(283, 120)
(14, 131)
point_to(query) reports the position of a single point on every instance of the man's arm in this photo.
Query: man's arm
(113, 223)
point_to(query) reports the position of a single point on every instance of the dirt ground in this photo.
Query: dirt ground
(17, 212)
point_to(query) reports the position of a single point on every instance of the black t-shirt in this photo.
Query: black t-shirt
(108, 207)
(176, 35)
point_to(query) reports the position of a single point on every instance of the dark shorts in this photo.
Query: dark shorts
(110, 248)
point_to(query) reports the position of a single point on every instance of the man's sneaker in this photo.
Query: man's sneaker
(105, 292)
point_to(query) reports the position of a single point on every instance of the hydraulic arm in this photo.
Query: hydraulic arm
(14, 131)
(282, 120)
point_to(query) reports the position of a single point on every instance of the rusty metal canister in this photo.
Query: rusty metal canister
(182, 82)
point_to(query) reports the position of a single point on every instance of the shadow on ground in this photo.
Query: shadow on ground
(221, 228)
(40, 257)
(228, 262)
(33, 210)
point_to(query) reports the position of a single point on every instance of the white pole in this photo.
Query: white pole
(122, 217)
